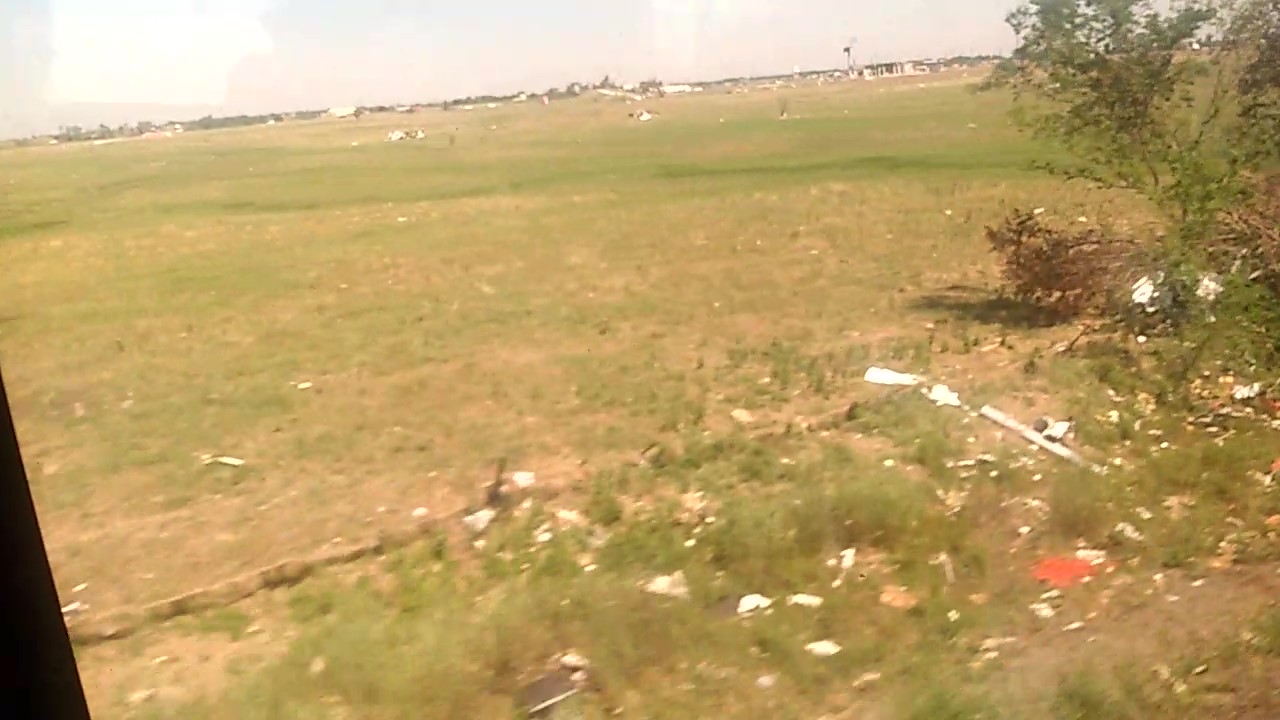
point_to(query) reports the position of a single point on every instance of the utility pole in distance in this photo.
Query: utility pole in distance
(848, 54)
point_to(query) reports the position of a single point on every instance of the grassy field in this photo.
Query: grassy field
(371, 325)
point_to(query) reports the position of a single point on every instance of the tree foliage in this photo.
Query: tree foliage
(1178, 102)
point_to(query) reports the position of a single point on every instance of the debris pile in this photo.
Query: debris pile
(401, 135)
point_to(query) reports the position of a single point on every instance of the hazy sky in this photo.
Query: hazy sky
(262, 55)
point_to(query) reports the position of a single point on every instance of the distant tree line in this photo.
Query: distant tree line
(77, 133)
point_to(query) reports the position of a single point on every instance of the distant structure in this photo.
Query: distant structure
(342, 112)
(892, 69)
(849, 63)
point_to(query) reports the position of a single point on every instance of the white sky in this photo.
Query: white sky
(263, 55)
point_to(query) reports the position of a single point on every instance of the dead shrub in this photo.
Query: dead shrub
(1067, 272)
(1249, 241)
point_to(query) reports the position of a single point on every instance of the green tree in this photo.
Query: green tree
(1175, 101)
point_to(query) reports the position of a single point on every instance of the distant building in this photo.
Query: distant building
(342, 112)
(892, 69)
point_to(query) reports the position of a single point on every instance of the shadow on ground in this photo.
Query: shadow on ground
(985, 306)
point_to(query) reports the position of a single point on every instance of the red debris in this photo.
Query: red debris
(1275, 466)
(1063, 572)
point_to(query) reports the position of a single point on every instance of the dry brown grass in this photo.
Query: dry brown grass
(564, 291)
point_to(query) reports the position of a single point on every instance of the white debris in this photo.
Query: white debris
(570, 517)
(224, 460)
(883, 376)
(1247, 392)
(523, 480)
(1145, 293)
(942, 395)
(74, 608)
(764, 682)
(1128, 532)
(751, 603)
(1210, 287)
(866, 679)
(805, 600)
(1038, 211)
(644, 116)
(80, 588)
(1143, 513)
(1093, 557)
(1043, 610)
(1057, 431)
(847, 558)
(419, 513)
(479, 520)
(953, 616)
(674, 585)
(1073, 627)
(141, 696)
(305, 385)
(994, 644)
(573, 661)
(823, 648)
(742, 416)
(948, 568)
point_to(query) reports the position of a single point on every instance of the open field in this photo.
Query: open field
(564, 287)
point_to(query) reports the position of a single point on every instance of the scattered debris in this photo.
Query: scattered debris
(1145, 293)
(954, 500)
(317, 666)
(823, 648)
(751, 603)
(953, 616)
(1246, 392)
(866, 679)
(1058, 431)
(898, 597)
(743, 417)
(883, 376)
(420, 513)
(80, 588)
(941, 395)
(804, 600)
(478, 521)
(399, 135)
(1063, 572)
(74, 608)
(994, 644)
(1210, 287)
(304, 385)
(1043, 610)
(1128, 532)
(571, 518)
(523, 480)
(765, 682)
(1093, 557)
(141, 696)
(845, 560)
(571, 660)
(1073, 627)
(948, 568)
(643, 116)
(1032, 436)
(674, 586)
(543, 694)
(223, 460)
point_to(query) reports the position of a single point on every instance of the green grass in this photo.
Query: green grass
(567, 290)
